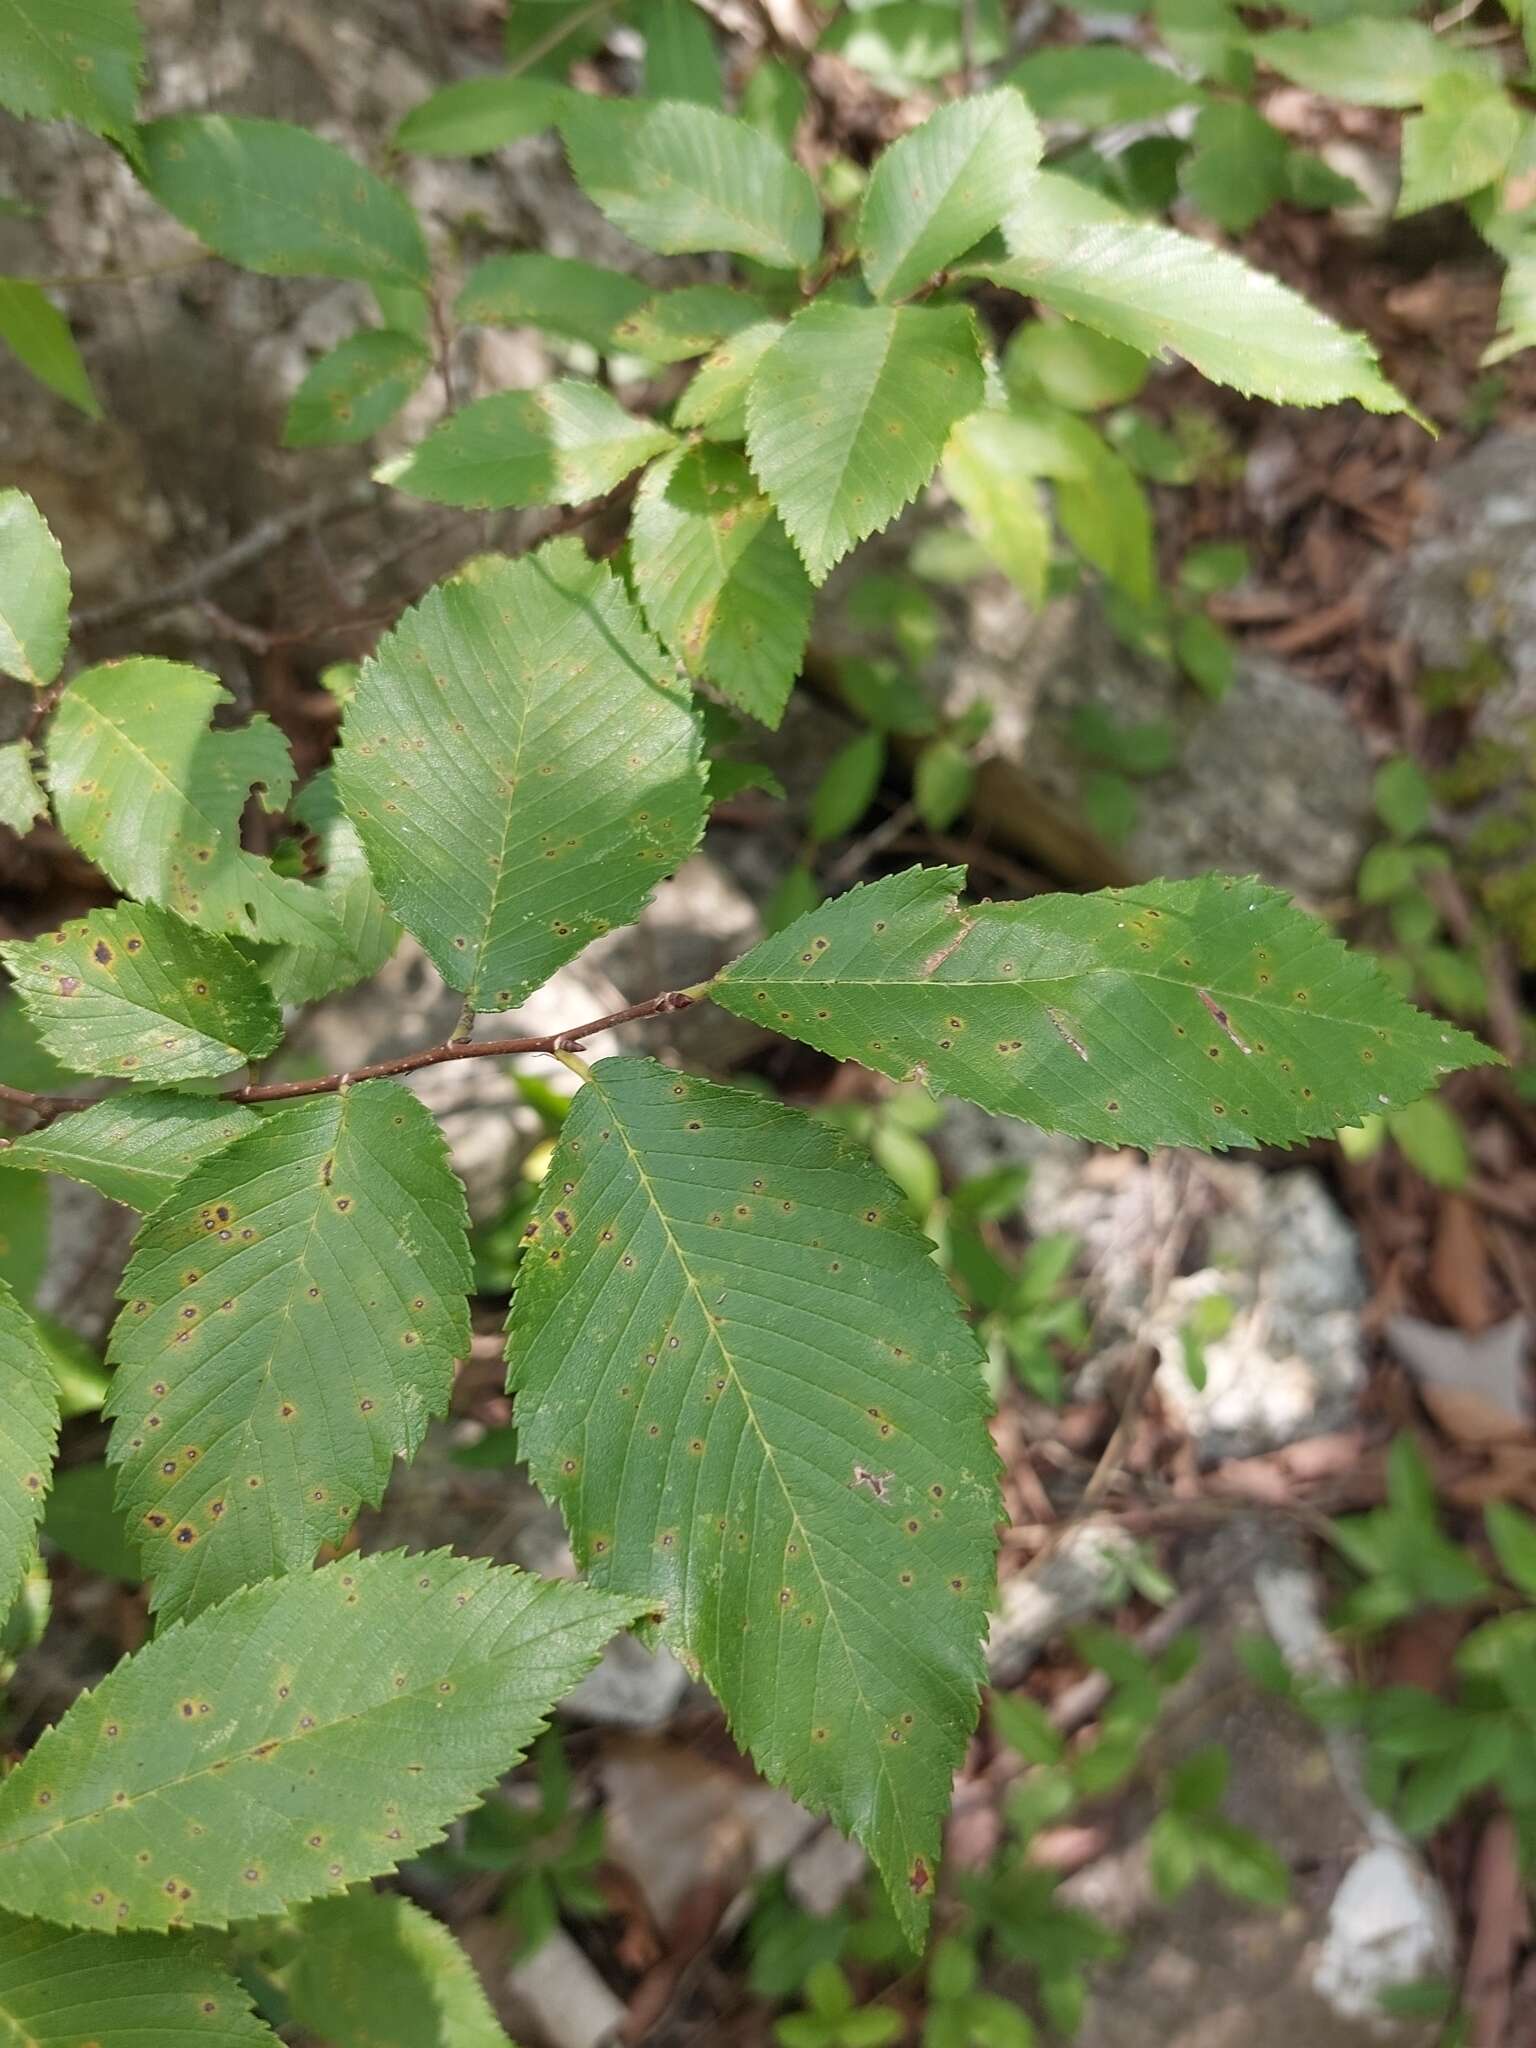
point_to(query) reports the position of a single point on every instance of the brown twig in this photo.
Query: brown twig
(262, 538)
(557, 1044)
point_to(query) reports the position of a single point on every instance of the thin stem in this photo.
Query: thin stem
(557, 1044)
(554, 37)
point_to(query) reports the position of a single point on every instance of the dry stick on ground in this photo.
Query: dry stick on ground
(262, 538)
(558, 1045)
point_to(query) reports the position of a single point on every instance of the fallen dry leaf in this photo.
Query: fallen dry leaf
(1477, 1388)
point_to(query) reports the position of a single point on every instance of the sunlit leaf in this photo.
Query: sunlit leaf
(679, 177)
(588, 787)
(557, 445)
(22, 801)
(848, 414)
(1161, 291)
(938, 190)
(149, 791)
(137, 992)
(719, 581)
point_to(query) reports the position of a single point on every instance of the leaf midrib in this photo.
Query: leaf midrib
(1025, 985)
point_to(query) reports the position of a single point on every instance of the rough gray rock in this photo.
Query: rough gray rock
(1274, 780)
(1470, 582)
(1276, 1245)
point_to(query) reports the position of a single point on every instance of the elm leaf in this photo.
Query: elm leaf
(587, 790)
(29, 1430)
(848, 414)
(1209, 1012)
(561, 444)
(292, 1315)
(758, 1403)
(137, 993)
(34, 593)
(306, 1734)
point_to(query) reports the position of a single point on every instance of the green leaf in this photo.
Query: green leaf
(1237, 169)
(847, 786)
(942, 781)
(1146, 748)
(719, 581)
(1096, 85)
(758, 1404)
(72, 60)
(153, 796)
(1513, 1536)
(276, 199)
(375, 1971)
(292, 1316)
(1162, 291)
(60, 1989)
(716, 399)
(905, 41)
(1214, 565)
(22, 801)
(679, 177)
(848, 415)
(1402, 797)
(366, 934)
(356, 388)
(1199, 1783)
(995, 489)
(673, 326)
(1209, 1012)
(589, 788)
(578, 301)
(83, 1521)
(137, 992)
(1024, 1725)
(1072, 366)
(132, 1148)
(1110, 805)
(774, 100)
(1517, 312)
(1364, 62)
(29, 1432)
(179, 1791)
(1462, 141)
(681, 62)
(1430, 1137)
(1243, 1864)
(34, 593)
(1100, 505)
(1206, 655)
(478, 115)
(560, 444)
(938, 190)
(37, 333)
